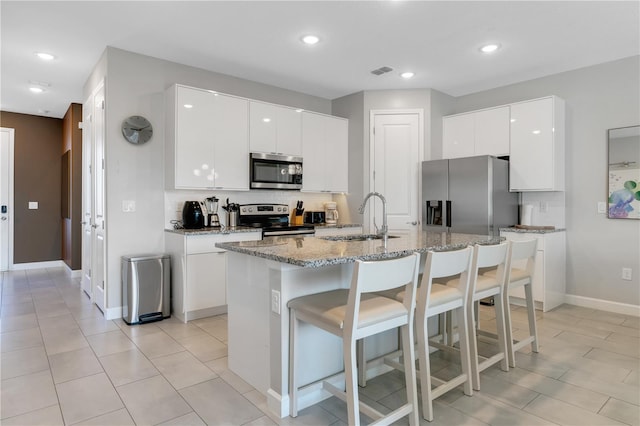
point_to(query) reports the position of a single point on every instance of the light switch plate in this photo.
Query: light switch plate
(128, 206)
(33, 205)
(602, 207)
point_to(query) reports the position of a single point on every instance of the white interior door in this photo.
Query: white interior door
(6, 198)
(396, 153)
(98, 273)
(87, 219)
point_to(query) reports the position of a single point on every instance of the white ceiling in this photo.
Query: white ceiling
(260, 41)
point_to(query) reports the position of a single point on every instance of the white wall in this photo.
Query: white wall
(597, 98)
(135, 86)
(351, 107)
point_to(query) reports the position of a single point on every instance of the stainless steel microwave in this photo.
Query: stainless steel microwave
(273, 171)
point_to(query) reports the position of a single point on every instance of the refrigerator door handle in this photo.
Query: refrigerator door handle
(448, 223)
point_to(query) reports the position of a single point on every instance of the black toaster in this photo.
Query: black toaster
(313, 217)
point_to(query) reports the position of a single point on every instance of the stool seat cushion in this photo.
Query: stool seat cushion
(330, 308)
(440, 294)
(517, 274)
(484, 282)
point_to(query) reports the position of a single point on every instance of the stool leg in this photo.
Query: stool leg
(531, 311)
(351, 380)
(509, 329)
(474, 376)
(362, 363)
(293, 387)
(425, 368)
(465, 349)
(409, 360)
(501, 330)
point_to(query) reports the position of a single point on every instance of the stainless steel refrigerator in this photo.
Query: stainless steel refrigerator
(468, 195)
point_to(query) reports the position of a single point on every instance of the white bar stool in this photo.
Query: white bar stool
(434, 299)
(354, 314)
(520, 273)
(482, 286)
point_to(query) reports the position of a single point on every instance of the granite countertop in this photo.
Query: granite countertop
(532, 231)
(208, 230)
(334, 225)
(314, 252)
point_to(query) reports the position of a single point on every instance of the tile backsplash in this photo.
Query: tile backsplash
(548, 208)
(174, 200)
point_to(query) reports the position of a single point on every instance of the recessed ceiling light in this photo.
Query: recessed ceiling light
(299, 110)
(187, 106)
(266, 119)
(407, 74)
(45, 56)
(36, 89)
(310, 39)
(490, 48)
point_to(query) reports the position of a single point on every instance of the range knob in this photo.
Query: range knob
(279, 209)
(250, 209)
(244, 210)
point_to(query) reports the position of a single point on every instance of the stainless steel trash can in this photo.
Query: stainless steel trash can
(146, 288)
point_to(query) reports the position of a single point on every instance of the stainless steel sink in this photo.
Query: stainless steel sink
(359, 237)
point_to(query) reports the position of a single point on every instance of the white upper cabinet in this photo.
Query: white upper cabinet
(458, 136)
(484, 132)
(275, 129)
(325, 153)
(537, 145)
(207, 140)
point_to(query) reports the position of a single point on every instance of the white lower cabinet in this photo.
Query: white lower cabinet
(549, 282)
(199, 273)
(332, 231)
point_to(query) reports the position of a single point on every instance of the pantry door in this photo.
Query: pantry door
(396, 155)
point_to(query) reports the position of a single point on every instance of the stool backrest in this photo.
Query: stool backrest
(489, 256)
(523, 253)
(381, 275)
(444, 264)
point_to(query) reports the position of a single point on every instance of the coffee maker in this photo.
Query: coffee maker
(330, 213)
(213, 220)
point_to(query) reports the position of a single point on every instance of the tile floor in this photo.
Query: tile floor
(62, 363)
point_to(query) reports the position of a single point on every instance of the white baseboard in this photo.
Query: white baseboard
(75, 273)
(37, 265)
(603, 305)
(113, 313)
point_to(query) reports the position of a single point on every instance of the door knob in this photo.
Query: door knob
(4, 218)
(412, 223)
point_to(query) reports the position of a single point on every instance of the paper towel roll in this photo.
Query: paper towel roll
(525, 214)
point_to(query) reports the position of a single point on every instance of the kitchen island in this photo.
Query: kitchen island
(264, 275)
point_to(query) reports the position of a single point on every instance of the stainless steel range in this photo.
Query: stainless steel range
(272, 218)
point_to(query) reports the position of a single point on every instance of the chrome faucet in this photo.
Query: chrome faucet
(385, 229)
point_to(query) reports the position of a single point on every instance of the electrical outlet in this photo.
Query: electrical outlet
(544, 206)
(275, 301)
(602, 207)
(626, 274)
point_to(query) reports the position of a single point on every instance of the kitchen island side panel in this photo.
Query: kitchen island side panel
(259, 336)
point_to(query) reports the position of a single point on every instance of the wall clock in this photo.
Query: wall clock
(137, 130)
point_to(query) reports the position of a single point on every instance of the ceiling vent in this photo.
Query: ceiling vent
(381, 71)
